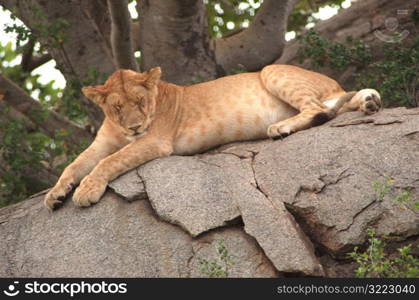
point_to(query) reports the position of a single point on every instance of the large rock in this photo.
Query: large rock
(276, 206)
(206, 201)
(279, 236)
(329, 181)
(204, 192)
(115, 238)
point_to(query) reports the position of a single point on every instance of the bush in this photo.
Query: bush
(394, 75)
(375, 262)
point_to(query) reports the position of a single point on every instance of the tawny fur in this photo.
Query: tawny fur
(147, 118)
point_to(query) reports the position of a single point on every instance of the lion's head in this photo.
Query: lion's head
(128, 99)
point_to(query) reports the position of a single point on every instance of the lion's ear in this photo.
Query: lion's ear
(153, 77)
(96, 94)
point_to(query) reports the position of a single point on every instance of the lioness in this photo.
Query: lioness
(147, 118)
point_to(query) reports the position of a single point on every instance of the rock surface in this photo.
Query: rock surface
(115, 239)
(330, 180)
(290, 207)
(129, 186)
(207, 200)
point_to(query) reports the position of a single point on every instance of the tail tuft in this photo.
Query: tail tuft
(320, 119)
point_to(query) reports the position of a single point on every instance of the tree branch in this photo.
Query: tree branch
(260, 44)
(359, 22)
(122, 46)
(42, 176)
(31, 61)
(37, 61)
(7, 113)
(72, 38)
(32, 109)
(27, 53)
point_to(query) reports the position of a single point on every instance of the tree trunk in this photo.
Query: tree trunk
(174, 35)
(71, 37)
(260, 44)
(364, 20)
(121, 39)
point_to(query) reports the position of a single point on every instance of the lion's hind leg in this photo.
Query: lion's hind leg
(299, 122)
(311, 114)
(305, 91)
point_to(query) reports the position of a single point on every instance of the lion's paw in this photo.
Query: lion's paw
(370, 101)
(279, 130)
(89, 191)
(56, 195)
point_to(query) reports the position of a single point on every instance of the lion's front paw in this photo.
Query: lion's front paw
(57, 194)
(89, 191)
(370, 101)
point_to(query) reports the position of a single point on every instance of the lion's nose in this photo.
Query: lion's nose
(135, 128)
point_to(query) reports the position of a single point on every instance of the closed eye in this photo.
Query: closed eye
(141, 106)
(118, 108)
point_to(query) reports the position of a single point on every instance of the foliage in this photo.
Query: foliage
(303, 11)
(45, 93)
(227, 17)
(322, 52)
(73, 109)
(388, 189)
(52, 33)
(12, 179)
(23, 147)
(375, 262)
(219, 267)
(395, 75)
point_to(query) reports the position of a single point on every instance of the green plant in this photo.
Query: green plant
(394, 74)
(24, 150)
(227, 17)
(219, 267)
(322, 52)
(21, 146)
(387, 188)
(375, 262)
(382, 188)
(66, 105)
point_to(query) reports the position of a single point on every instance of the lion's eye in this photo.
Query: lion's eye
(141, 105)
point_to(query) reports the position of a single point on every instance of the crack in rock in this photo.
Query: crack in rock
(129, 186)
